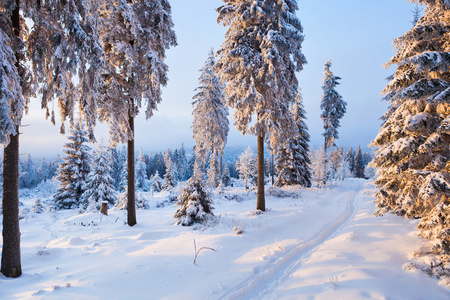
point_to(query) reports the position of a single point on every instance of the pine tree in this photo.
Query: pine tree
(28, 177)
(170, 178)
(293, 159)
(213, 173)
(72, 173)
(99, 185)
(118, 159)
(258, 61)
(195, 203)
(156, 182)
(246, 165)
(359, 164)
(141, 172)
(333, 109)
(350, 158)
(44, 170)
(226, 179)
(413, 144)
(210, 118)
(124, 177)
(318, 168)
(135, 36)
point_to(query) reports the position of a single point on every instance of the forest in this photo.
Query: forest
(105, 62)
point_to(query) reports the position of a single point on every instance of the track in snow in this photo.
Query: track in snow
(270, 276)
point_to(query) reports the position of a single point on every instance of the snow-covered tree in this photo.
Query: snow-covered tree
(99, 185)
(213, 173)
(359, 164)
(350, 158)
(226, 179)
(333, 108)
(413, 144)
(156, 182)
(293, 157)
(118, 157)
(135, 36)
(170, 178)
(210, 117)
(246, 165)
(72, 173)
(28, 177)
(141, 172)
(318, 171)
(258, 61)
(195, 203)
(37, 207)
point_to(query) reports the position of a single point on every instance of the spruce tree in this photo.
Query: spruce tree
(333, 109)
(246, 165)
(72, 173)
(258, 61)
(195, 203)
(99, 183)
(293, 158)
(170, 178)
(141, 172)
(413, 144)
(210, 118)
(359, 164)
(135, 36)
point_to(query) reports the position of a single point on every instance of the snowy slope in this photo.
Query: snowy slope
(314, 243)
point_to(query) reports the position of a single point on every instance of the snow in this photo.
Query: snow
(321, 243)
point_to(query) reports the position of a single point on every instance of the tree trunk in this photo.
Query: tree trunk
(131, 205)
(104, 208)
(261, 202)
(11, 265)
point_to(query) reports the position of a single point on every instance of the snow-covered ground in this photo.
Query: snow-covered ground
(310, 244)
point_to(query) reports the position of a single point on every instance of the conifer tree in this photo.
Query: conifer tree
(333, 109)
(135, 36)
(170, 178)
(72, 173)
(359, 164)
(293, 159)
(99, 183)
(210, 118)
(195, 203)
(350, 158)
(28, 177)
(413, 144)
(141, 172)
(246, 165)
(258, 61)
(156, 182)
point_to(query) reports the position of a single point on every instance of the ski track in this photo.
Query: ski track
(269, 277)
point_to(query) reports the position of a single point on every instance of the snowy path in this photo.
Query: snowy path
(269, 277)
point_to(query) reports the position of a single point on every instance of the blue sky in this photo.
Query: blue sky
(355, 34)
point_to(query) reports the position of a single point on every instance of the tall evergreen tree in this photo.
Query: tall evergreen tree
(258, 61)
(246, 165)
(333, 109)
(414, 141)
(135, 36)
(210, 118)
(359, 164)
(28, 177)
(350, 158)
(141, 172)
(293, 157)
(99, 183)
(72, 173)
(413, 144)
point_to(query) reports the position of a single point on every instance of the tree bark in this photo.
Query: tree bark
(104, 208)
(11, 265)
(261, 201)
(131, 205)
